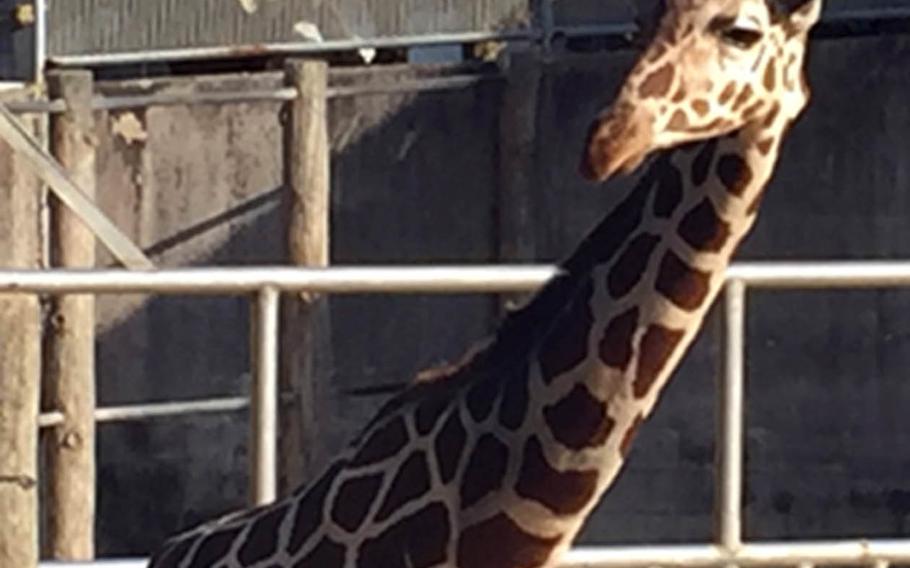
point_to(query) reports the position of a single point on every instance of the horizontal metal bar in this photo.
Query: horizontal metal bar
(171, 99)
(854, 553)
(154, 410)
(159, 410)
(341, 280)
(447, 279)
(289, 48)
(49, 419)
(833, 274)
(27, 107)
(429, 84)
(120, 102)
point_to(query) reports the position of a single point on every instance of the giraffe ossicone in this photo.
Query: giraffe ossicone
(497, 463)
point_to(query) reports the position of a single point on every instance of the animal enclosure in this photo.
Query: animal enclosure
(475, 164)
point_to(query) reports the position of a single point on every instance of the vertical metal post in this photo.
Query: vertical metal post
(544, 20)
(729, 462)
(264, 404)
(40, 41)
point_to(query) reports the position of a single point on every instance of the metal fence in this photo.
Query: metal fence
(266, 284)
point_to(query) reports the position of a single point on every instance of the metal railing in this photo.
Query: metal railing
(266, 284)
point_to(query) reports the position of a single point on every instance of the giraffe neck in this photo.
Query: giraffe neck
(498, 464)
(641, 284)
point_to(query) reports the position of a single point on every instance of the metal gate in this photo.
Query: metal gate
(265, 285)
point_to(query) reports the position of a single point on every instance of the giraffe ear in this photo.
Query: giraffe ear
(803, 14)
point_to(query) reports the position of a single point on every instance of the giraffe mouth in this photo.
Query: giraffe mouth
(617, 142)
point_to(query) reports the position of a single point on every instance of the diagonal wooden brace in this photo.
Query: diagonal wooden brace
(52, 173)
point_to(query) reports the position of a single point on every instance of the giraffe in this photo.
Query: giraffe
(496, 462)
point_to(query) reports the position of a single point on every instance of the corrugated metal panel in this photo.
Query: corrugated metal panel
(600, 12)
(103, 26)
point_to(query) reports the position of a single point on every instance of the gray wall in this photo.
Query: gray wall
(415, 180)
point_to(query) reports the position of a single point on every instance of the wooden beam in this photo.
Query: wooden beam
(69, 357)
(518, 171)
(306, 350)
(46, 167)
(20, 364)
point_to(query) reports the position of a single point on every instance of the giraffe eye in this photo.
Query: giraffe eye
(742, 33)
(741, 37)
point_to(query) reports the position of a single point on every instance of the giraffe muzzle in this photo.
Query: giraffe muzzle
(617, 142)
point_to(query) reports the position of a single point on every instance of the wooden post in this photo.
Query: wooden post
(518, 172)
(306, 349)
(20, 365)
(69, 378)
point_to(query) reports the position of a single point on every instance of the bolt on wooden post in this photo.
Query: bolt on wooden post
(69, 357)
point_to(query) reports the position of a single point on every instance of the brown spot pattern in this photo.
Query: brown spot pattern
(669, 190)
(382, 444)
(679, 121)
(715, 125)
(428, 413)
(752, 112)
(214, 547)
(770, 79)
(616, 344)
(701, 107)
(727, 93)
(579, 420)
(765, 146)
(308, 517)
(327, 554)
(481, 397)
(701, 165)
(631, 265)
(682, 284)
(611, 233)
(172, 553)
(703, 229)
(657, 345)
(354, 499)
(562, 492)
(681, 94)
(411, 481)
(629, 436)
(262, 538)
(485, 470)
(417, 541)
(566, 344)
(514, 403)
(500, 543)
(772, 115)
(448, 446)
(744, 97)
(658, 83)
(734, 173)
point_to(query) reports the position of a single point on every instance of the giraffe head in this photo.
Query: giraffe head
(713, 67)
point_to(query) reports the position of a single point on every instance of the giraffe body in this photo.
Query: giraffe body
(498, 463)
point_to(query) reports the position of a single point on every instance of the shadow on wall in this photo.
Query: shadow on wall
(416, 179)
(198, 187)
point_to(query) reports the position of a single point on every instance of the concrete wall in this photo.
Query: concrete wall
(415, 180)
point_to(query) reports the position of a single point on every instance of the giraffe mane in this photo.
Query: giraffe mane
(519, 332)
